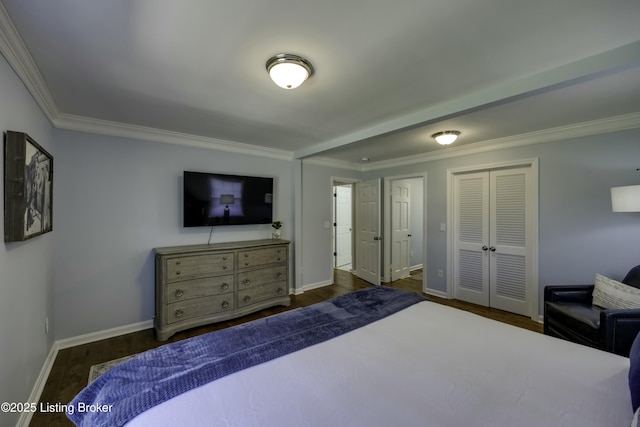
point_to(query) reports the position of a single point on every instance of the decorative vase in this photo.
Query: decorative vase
(275, 234)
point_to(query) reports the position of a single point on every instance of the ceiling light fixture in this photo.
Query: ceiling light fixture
(446, 137)
(289, 71)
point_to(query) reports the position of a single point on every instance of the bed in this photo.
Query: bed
(399, 361)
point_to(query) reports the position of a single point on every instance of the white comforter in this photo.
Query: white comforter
(428, 365)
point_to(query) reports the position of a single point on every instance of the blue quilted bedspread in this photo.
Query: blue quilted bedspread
(157, 375)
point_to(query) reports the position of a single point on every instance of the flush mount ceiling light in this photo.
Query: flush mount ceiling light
(289, 71)
(446, 137)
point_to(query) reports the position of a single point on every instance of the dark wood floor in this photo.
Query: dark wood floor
(71, 368)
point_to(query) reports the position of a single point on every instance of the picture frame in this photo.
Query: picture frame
(28, 188)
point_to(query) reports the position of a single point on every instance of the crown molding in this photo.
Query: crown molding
(577, 130)
(17, 55)
(332, 163)
(105, 127)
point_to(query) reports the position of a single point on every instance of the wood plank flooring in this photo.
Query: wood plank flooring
(71, 368)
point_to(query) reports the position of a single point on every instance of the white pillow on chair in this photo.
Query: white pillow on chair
(611, 294)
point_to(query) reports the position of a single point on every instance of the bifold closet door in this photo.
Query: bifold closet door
(509, 240)
(471, 235)
(492, 239)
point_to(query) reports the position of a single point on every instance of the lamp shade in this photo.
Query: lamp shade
(626, 199)
(289, 71)
(227, 199)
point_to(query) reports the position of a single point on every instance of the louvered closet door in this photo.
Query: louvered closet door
(491, 239)
(508, 266)
(471, 234)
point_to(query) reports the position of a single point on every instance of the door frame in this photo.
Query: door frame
(386, 211)
(334, 181)
(533, 290)
(334, 238)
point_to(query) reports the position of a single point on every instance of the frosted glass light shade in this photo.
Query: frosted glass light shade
(626, 199)
(289, 71)
(446, 137)
(288, 76)
(227, 199)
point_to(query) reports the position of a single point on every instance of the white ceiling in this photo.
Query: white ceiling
(388, 74)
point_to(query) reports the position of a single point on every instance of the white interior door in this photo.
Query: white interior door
(400, 228)
(368, 238)
(471, 237)
(343, 226)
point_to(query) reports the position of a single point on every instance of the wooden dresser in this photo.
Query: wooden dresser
(201, 284)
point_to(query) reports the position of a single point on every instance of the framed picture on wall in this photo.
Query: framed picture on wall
(28, 188)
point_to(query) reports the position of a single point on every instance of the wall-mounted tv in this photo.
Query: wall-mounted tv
(219, 199)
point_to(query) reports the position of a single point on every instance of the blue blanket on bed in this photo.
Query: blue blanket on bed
(157, 375)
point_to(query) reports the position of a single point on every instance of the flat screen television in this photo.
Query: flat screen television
(219, 199)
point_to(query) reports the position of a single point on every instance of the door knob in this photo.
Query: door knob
(492, 249)
(485, 247)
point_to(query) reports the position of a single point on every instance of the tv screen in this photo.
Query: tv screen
(217, 199)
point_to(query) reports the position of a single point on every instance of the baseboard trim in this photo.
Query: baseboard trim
(311, 286)
(101, 335)
(38, 387)
(436, 293)
(41, 381)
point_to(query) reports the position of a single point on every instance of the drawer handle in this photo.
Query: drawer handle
(225, 286)
(246, 255)
(224, 267)
(225, 304)
(178, 272)
(247, 298)
(246, 281)
(179, 293)
(280, 291)
(279, 276)
(179, 313)
(224, 258)
(246, 263)
(279, 258)
(178, 262)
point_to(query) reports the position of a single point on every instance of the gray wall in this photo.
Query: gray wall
(119, 198)
(25, 279)
(317, 196)
(579, 235)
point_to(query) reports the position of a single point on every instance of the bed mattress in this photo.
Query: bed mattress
(427, 365)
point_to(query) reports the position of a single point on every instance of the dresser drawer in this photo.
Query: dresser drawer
(262, 276)
(261, 293)
(180, 268)
(196, 288)
(184, 310)
(257, 257)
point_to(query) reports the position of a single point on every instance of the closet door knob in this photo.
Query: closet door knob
(492, 249)
(485, 247)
